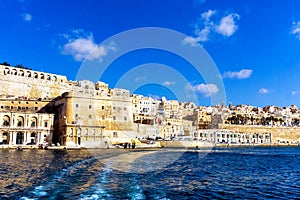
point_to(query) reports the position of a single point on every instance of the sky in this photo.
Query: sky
(254, 46)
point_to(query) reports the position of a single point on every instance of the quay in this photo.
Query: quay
(38, 108)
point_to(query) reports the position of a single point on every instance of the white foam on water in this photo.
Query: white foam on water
(27, 198)
(41, 190)
(137, 193)
(97, 190)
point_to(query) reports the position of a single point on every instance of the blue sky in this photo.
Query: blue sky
(255, 44)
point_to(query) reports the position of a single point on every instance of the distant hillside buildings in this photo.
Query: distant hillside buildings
(37, 107)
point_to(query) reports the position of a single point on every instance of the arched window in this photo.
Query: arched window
(28, 74)
(48, 77)
(14, 72)
(33, 122)
(6, 120)
(42, 76)
(20, 121)
(54, 78)
(21, 73)
(78, 132)
(35, 75)
(71, 132)
(6, 71)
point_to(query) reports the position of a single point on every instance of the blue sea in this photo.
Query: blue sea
(218, 173)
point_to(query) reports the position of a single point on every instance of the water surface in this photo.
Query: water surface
(220, 173)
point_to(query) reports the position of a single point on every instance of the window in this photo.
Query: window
(76, 105)
(102, 107)
(33, 124)
(1, 107)
(115, 134)
(46, 124)
(125, 118)
(114, 108)
(71, 132)
(19, 123)
(76, 115)
(103, 117)
(90, 116)
(6, 122)
(125, 108)
(114, 117)
(90, 106)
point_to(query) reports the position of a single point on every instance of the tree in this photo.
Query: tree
(5, 63)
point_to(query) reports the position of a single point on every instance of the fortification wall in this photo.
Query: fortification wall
(280, 135)
(28, 83)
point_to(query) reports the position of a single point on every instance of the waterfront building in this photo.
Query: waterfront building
(224, 136)
(23, 122)
(93, 116)
(144, 109)
(38, 107)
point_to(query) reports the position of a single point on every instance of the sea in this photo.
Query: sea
(217, 173)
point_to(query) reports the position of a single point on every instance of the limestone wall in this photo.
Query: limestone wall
(28, 83)
(279, 134)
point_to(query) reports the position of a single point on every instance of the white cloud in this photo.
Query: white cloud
(242, 74)
(206, 26)
(296, 30)
(263, 91)
(227, 25)
(295, 93)
(168, 83)
(204, 89)
(208, 14)
(27, 17)
(202, 36)
(81, 45)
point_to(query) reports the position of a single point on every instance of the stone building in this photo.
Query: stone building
(23, 121)
(144, 109)
(92, 115)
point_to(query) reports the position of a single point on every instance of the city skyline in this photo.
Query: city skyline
(253, 44)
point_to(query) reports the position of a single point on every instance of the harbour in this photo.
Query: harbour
(226, 173)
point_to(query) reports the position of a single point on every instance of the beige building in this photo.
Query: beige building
(144, 109)
(24, 121)
(92, 115)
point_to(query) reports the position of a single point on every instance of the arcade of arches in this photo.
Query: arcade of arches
(25, 128)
